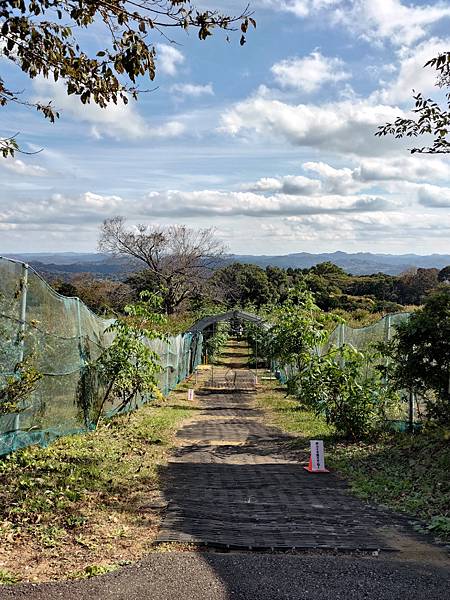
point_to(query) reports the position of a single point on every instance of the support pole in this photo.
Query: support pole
(80, 335)
(23, 311)
(167, 367)
(387, 332)
(341, 342)
(256, 359)
(411, 412)
(212, 362)
(22, 328)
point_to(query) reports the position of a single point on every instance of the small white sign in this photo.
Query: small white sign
(190, 394)
(317, 455)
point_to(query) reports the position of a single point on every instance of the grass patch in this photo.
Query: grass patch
(87, 500)
(7, 578)
(409, 473)
(286, 414)
(93, 571)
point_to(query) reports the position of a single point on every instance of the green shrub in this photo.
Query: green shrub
(346, 387)
(420, 355)
(128, 367)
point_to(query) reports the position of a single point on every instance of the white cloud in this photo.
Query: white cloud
(411, 73)
(385, 20)
(62, 209)
(399, 176)
(120, 121)
(168, 59)
(300, 8)
(88, 208)
(190, 89)
(168, 129)
(341, 182)
(22, 168)
(289, 184)
(310, 73)
(434, 196)
(223, 203)
(337, 181)
(391, 19)
(347, 126)
(315, 215)
(407, 168)
(369, 227)
(370, 171)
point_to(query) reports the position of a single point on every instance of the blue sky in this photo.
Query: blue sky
(272, 143)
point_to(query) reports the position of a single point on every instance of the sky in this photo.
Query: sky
(272, 143)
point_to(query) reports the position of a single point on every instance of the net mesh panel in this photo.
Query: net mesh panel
(62, 335)
(363, 339)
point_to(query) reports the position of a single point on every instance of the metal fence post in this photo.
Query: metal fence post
(341, 342)
(23, 311)
(167, 367)
(387, 338)
(80, 335)
(411, 411)
(22, 328)
(256, 358)
(387, 331)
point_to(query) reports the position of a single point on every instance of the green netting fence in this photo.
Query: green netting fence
(62, 335)
(363, 338)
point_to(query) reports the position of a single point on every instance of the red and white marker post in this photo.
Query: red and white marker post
(316, 459)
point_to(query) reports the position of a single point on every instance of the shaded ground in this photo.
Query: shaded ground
(254, 576)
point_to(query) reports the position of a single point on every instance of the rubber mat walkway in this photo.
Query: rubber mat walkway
(231, 484)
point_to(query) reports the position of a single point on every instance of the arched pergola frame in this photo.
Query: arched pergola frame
(238, 315)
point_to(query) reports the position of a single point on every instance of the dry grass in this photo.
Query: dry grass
(89, 502)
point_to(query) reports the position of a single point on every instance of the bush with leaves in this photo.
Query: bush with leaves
(16, 388)
(300, 328)
(260, 341)
(346, 387)
(128, 367)
(420, 355)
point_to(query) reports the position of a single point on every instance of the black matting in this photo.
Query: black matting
(248, 495)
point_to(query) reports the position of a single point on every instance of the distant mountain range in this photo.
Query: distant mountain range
(360, 263)
(65, 264)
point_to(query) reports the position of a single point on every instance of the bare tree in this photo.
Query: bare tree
(180, 259)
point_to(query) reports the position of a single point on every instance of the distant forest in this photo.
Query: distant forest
(359, 299)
